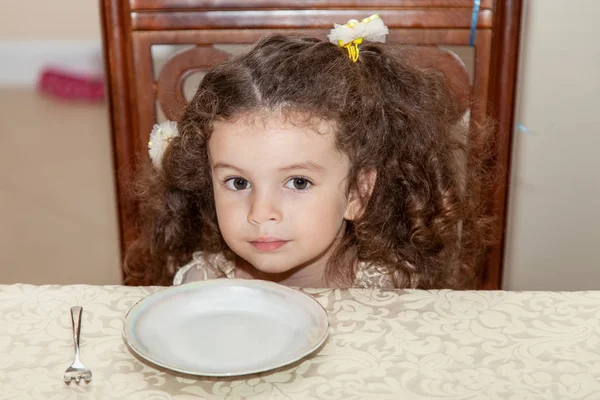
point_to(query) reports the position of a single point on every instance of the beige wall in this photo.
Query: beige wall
(58, 214)
(554, 225)
(58, 222)
(43, 19)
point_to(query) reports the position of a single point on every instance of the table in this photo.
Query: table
(408, 344)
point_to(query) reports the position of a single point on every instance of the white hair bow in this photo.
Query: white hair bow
(353, 32)
(160, 137)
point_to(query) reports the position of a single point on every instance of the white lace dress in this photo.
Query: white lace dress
(222, 265)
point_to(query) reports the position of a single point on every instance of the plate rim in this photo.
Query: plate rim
(225, 281)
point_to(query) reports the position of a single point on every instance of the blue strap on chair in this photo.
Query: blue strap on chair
(476, 4)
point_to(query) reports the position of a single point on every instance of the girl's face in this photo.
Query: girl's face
(280, 194)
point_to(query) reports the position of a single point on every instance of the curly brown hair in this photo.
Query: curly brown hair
(427, 219)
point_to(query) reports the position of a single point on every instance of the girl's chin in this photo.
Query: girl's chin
(258, 268)
(271, 273)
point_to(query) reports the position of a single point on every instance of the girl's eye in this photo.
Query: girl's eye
(237, 184)
(298, 183)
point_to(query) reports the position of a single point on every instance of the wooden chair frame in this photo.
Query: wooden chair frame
(131, 27)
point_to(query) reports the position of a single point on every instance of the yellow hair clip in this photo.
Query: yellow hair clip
(353, 32)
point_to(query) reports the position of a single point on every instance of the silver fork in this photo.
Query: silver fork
(77, 370)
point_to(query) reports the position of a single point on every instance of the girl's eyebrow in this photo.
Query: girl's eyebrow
(308, 165)
(222, 165)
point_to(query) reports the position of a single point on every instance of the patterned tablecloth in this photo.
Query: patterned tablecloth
(405, 344)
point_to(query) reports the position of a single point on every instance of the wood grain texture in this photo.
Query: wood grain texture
(502, 91)
(116, 33)
(286, 19)
(430, 37)
(172, 76)
(295, 4)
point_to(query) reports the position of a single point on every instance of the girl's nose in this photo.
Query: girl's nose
(264, 207)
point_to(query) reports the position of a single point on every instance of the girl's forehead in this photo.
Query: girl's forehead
(274, 139)
(264, 121)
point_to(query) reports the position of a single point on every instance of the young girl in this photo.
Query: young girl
(316, 164)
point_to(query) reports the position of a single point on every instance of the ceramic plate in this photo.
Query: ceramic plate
(225, 327)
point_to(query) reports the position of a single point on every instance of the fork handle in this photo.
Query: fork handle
(76, 320)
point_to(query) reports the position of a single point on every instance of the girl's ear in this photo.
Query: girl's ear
(358, 199)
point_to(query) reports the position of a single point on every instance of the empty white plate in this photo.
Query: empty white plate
(225, 327)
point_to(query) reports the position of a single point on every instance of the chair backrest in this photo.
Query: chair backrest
(141, 92)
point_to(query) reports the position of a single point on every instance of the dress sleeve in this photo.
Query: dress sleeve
(372, 276)
(199, 270)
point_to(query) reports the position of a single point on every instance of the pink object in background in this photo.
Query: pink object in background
(70, 85)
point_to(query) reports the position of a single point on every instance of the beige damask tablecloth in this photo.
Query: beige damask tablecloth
(382, 345)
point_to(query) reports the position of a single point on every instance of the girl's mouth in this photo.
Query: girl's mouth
(268, 244)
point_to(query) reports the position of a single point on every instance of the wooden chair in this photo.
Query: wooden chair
(137, 97)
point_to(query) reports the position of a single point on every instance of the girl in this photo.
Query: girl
(316, 164)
